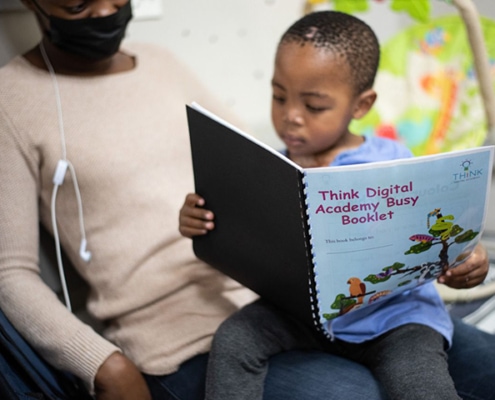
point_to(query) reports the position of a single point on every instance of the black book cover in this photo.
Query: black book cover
(260, 237)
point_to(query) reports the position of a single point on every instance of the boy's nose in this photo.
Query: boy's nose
(293, 116)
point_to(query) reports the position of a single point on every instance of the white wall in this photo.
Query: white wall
(229, 43)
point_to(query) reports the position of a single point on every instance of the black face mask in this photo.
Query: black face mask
(91, 38)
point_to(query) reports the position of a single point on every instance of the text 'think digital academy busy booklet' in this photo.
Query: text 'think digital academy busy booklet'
(322, 242)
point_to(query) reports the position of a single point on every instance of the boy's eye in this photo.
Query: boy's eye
(278, 99)
(315, 109)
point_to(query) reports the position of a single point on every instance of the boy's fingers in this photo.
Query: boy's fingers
(197, 213)
(195, 222)
(190, 232)
(193, 199)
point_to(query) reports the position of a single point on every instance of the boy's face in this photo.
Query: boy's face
(313, 101)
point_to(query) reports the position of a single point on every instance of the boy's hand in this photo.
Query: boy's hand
(193, 219)
(470, 273)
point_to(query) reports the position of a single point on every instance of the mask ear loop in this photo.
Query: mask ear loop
(58, 179)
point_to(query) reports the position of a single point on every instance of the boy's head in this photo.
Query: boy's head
(346, 37)
(325, 66)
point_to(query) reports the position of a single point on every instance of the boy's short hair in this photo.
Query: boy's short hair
(345, 36)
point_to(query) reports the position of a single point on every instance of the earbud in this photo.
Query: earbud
(83, 252)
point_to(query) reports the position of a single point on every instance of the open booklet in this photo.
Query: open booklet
(322, 242)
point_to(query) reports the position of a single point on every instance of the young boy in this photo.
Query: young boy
(325, 66)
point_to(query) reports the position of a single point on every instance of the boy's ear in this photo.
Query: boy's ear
(364, 103)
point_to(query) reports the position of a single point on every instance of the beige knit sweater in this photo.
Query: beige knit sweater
(126, 136)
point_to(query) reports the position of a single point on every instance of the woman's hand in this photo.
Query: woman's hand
(470, 273)
(119, 379)
(193, 219)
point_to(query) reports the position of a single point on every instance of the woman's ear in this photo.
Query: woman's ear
(364, 103)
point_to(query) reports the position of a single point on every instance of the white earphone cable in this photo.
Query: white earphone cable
(57, 99)
(58, 179)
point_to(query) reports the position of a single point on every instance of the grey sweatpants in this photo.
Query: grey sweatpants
(410, 361)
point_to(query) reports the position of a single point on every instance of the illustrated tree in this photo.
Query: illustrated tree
(444, 233)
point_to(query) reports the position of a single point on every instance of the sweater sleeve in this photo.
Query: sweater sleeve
(31, 306)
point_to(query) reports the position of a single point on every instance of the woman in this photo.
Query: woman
(78, 104)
